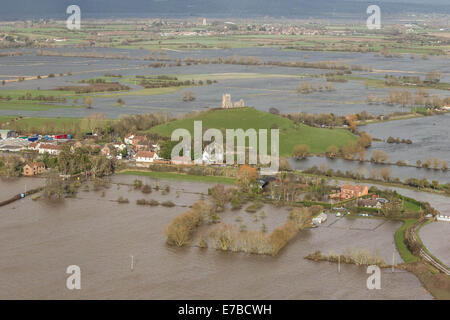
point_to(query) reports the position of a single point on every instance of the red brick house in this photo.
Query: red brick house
(349, 191)
(33, 169)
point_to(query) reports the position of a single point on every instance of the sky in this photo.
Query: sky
(35, 9)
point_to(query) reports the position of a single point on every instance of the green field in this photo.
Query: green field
(379, 83)
(4, 119)
(246, 118)
(142, 92)
(399, 237)
(411, 206)
(32, 103)
(178, 176)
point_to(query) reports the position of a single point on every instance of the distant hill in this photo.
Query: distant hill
(245, 118)
(32, 9)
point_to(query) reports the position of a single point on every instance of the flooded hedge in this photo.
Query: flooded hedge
(181, 229)
(229, 238)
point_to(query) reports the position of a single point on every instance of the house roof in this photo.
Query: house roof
(368, 202)
(36, 165)
(49, 146)
(145, 154)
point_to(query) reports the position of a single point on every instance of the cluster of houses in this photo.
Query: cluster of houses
(349, 191)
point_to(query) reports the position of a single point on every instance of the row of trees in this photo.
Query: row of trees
(83, 160)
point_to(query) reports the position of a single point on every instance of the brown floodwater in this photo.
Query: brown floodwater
(39, 240)
(436, 237)
(13, 186)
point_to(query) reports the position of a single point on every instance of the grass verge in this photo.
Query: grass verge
(399, 237)
(179, 176)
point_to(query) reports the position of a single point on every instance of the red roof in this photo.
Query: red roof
(50, 146)
(36, 165)
(145, 154)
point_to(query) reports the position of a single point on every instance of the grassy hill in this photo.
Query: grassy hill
(246, 118)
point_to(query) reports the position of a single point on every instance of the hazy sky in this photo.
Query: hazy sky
(12, 9)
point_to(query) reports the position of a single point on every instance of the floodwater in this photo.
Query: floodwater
(39, 240)
(436, 237)
(262, 93)
(429, 138)
(365, 168)
(13, 186)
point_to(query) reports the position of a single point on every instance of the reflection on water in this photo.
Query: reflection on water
(429, 136)
(366, 168)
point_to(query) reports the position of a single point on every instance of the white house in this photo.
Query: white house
(213, 154)
(49, 148)
(34, 146)
(128, 139)
(146, 156)
(120, 146)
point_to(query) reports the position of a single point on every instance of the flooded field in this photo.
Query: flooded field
(429, 138)
(436, 237)
(13, 186)
(366, 168)
(259, 92)
(39, 240)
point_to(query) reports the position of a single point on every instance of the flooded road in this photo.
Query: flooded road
(13, 186)
(39, 240)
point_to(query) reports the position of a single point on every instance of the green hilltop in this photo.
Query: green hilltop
(317, 139)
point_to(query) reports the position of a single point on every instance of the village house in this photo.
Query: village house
(106, 151)
(119, 146)
(349, 191)
(139, 140)
(142, 145)
(213, 154)
(33, 169)
(369, 203)
(49, 148)
(6, 134)
(146, 156)
(33, 146)
(128, 138)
